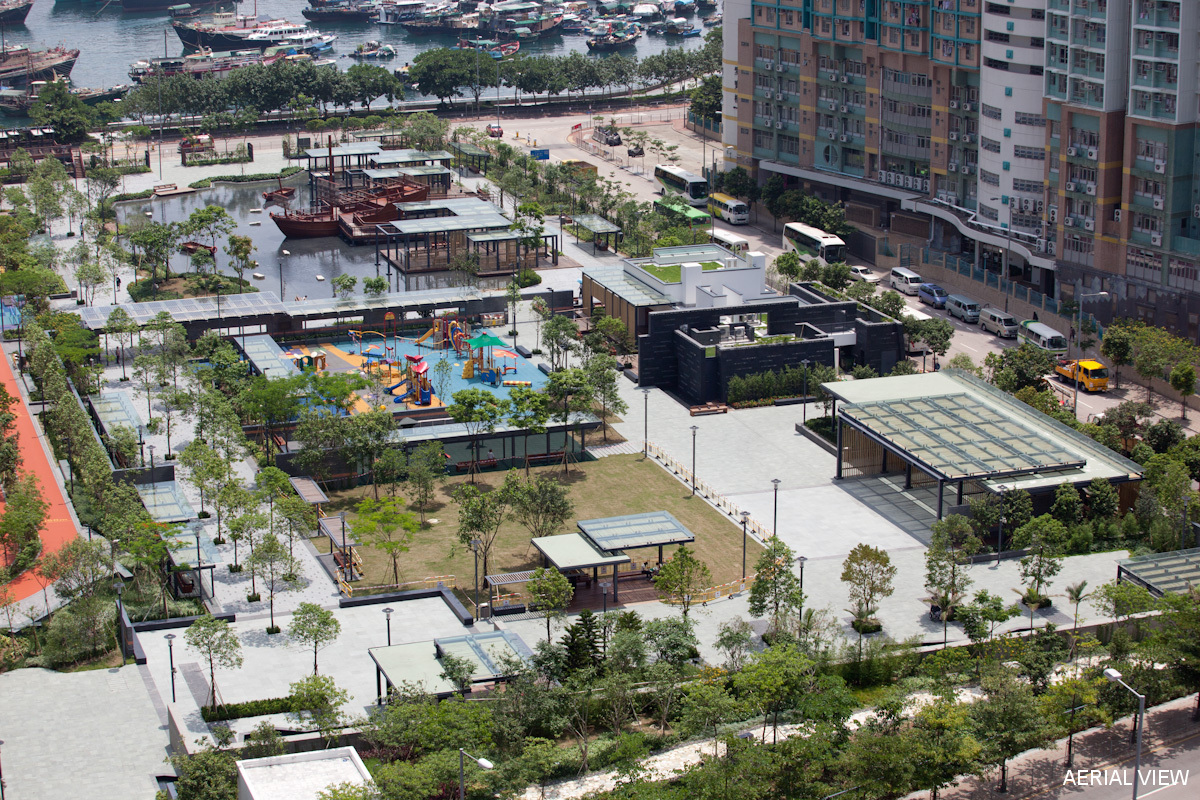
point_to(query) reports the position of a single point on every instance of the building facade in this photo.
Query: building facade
(1050, 140)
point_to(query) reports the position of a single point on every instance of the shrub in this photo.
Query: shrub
(527, 278)
(250, 708)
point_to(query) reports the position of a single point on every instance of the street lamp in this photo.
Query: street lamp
(1079, 355)
(284, 253)
(119, 588)
(142, 445)
(1114, 676)
(694, 429)
(775, 513)
(800, 560)
(804, 405)
(388, 613)
(645, 422)
(462, 765)
(745, 518)
(345, 558)
(170, 637)
(604, 594)
(475, 545)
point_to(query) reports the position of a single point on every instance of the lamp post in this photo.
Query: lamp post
(462, 770)
(804, 405)
(150, 447)
(1114, 676)
(775, 513)
(119, 588)
(387, 612)
(475, 543)
(800, 560)
(284, 253)
(604, 594)
(695, 428)
(1079, 355)
(142, 445)
(645, 422)
(345, 560)
(170, 637)
(745, 518)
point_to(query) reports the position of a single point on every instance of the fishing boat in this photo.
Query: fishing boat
(620, 35)
(228, 32)
(647, 11)
(20, 65)
(713, 21)
(373, 51)
(678, 26)
(524, 20)
(281, 195)
(495, 49)
(573, 23)
(341, 12)
(17, 102)
(393, 13)
(14, 12)
(447, 21)
(310, 42)
(685, 7)
(205, 63)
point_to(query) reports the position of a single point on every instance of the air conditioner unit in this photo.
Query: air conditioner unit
(832, 105)
(832, 135)
(780, 67)
(1039, 207)
(1196, 211)
(1041, 245)
(1159, 203)
(1089, 225)
(891, 178)
(953, 167)
(967, 138)
(925, 184)
(883, 177)
(1072, 151)
(1069, 222)
(1116, 215)
(731, 152)
(779, 125)
(845, 79)
(844, 138)
(908, 181)
(833, 76)
(844, 109)
(1070, 186)
(1160, 167)
(1092, 153)
(1053, 214)
(954, 136)
(1091, 189)
(954, 104)
(1156, 239)
(967, 169)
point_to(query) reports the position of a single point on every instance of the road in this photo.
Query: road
(1169, 772)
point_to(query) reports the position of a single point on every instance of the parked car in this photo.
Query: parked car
(933, 295)
(862, 274)
(495, 131)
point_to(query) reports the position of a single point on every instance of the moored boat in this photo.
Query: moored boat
(228, 32)
(17, 102)
(393, 12)
(713, 21)
(373, 51)
(341, 12)
(204, 64)
(14, 12)
(20, 65)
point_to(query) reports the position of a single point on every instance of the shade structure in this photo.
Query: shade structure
(485, 340)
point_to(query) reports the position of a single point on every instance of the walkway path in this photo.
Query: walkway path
(60, 526)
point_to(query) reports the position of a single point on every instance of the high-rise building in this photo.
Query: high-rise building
(1054, 139)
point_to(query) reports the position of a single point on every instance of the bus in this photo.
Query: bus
(693, 187)
(730, 241)
(730, 209)
(1043, 337)
(813, 242)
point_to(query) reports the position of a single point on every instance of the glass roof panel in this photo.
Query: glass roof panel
(628, 288)
(596, 223)
(635, 530)
(166, 502)
(1164, 572)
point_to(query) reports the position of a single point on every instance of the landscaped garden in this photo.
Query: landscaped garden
(672, 273)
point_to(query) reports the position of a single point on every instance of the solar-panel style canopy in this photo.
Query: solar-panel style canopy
(652, 529)
(1163, 573)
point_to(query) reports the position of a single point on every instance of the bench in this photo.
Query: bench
(546, 458)
(165, 187)
(463, 466)
(280, 442)
(709, 408)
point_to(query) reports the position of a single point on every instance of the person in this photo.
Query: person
(936, 365)
(491, 455)
(118, 283)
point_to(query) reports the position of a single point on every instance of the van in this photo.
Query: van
(963, 307)
(905, 280)
(998, 322)
(933, 295)
(1043, 337)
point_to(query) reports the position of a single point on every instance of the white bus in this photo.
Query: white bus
(730, 209)
(693, 187)
(730, 241)
(813, 242)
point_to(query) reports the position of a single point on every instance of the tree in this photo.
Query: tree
(318, 701)
(480, 515)
(121, 327)
(735, 638)
(528, 411)
(386, 525)
(1183, 380)
(550, 593)
(869, 571)
(276, 568)
(705, 706)
(601, 371)
(559, 335)
(671, 639)
(1177, 639)
(1068, 506)
(944, 746)
(426, 471)
(682, 576)
(1018, 367)
(1117, 347)
(239, 249)
(479, 411)
(217, 644)
(24, 514)
(1044, 538)
(543, 505)
(1009, 720)
(313, 626)
(950, 548)
(773, 680)
(776, 588)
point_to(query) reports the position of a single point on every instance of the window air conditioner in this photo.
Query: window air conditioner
(954, 104)
(1116, 215)
(1159, 203)
(1156, 239)
(1089, 225)
(1160, 167)
(1092, 153)
(1069, 222)
(1072, 152)
(954, 136)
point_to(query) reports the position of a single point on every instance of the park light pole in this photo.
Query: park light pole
(387, 612)
(141, 445)
(119, 588)
(1114, 676)
(645, 422)
(745, 517)
(170, 637)
(775, 513)
(695, 428)
(284, 253)
(804, 405)
(1079, 353)
(475, 545)
(150, 447)
(462, 766)
(800, 560)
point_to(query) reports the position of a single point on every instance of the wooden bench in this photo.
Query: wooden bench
(546, 458)
(709, 408)
(464, 466)
(280, 442)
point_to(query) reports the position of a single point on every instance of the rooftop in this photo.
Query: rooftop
(1161, 573)
(629, 288)
(420, 662)
(574, 551)
(344, 150)
(299, 776)
(442, 216)
(632, 531)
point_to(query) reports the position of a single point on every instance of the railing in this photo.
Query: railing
(717, 592)
(434, 582)
(722, 503)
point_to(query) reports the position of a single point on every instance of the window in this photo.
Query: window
(991, 112)
(1025, 118)
(1034, 153)
(990, 178)
(1147, 223)
(991, 145)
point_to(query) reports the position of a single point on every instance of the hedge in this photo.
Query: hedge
(205, 183)
(251, 708)
(121, 198)
(786, 382)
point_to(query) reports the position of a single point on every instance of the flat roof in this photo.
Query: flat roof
(628, 288)
(264, 353)
(420, 662)
(345, 150)
(468, 149)
(309, 491)
(166, 502)
(632, 531)
(960, 426)
(300, 776)
(595, 223)
(233, 306)
(1163, 573)
(494, 236)
(425, 169)
(114, 410)
(441, 216)
(574, 551)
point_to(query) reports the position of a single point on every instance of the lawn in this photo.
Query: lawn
(671, 273)
(607, 487)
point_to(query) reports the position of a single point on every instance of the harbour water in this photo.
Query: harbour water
(110, 39)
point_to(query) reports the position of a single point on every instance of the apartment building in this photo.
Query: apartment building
(1060, 132)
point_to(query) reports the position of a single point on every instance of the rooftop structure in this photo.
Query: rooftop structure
(956, 429)
(299, 776)
(632, 531)
(420, 662)
(1161, 573)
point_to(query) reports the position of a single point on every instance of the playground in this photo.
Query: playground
(408, 364)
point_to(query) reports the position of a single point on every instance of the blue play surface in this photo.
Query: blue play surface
(526, 370)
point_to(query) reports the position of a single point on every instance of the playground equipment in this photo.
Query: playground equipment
(415, 382)
(446, 332)
(372, 350)
(481, 360)
(518, 383)
(314, 359)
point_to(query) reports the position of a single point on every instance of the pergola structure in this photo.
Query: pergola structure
(471, 156)
(1162, 573)
(420, 662)
(597, 226)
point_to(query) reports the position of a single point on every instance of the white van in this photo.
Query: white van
(963, 307)
(905, 281)
(730, 241)
(998, 322)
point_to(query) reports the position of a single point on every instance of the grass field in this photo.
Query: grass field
(607, 487)
(673, 273)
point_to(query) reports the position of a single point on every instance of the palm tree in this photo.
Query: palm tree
(1076, 594)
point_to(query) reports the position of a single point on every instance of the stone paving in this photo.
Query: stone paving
(64, 732)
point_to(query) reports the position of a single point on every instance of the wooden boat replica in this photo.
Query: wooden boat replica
(347, 211)
(281, 195)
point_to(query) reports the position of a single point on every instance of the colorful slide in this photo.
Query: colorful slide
(427, 334)
(391, 389)
(404, 396)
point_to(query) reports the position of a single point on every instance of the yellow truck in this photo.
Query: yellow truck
(1092, 375)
